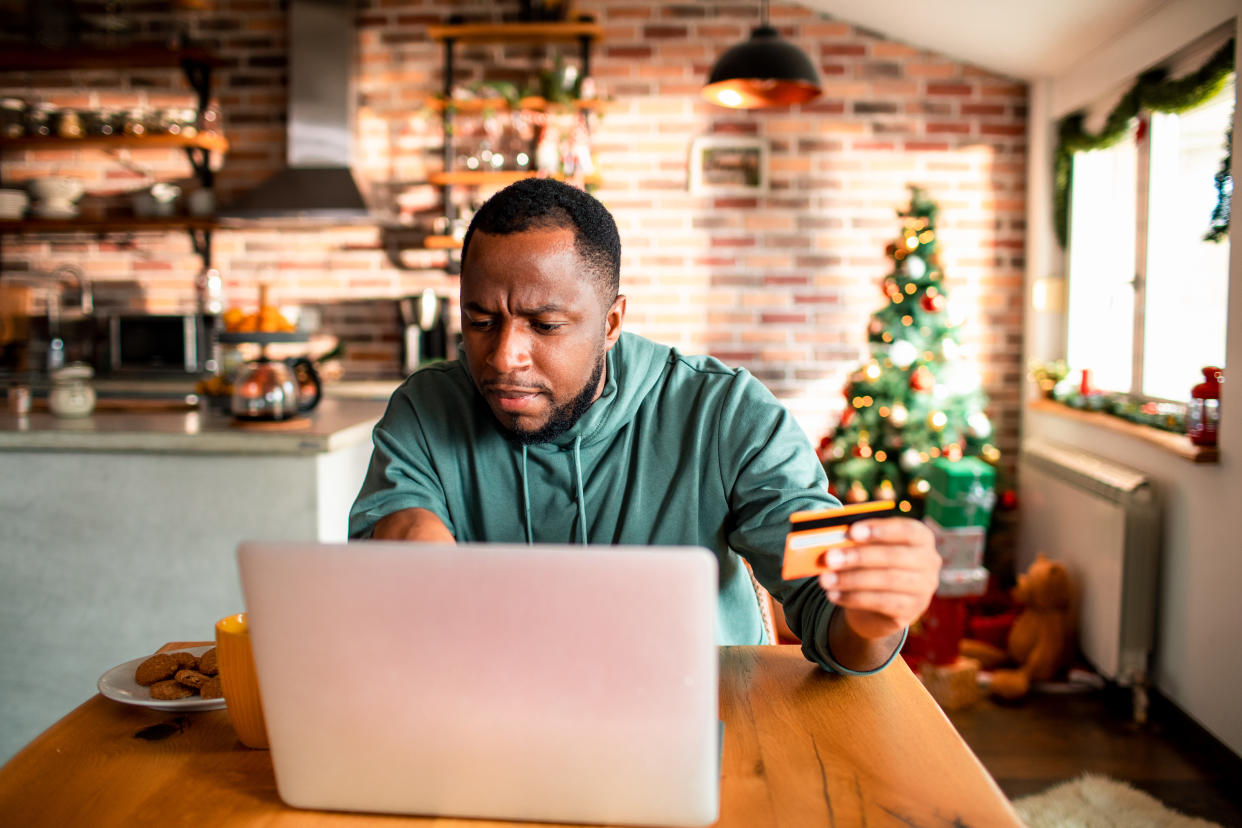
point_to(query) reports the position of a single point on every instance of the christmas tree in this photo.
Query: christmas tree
(916, 399)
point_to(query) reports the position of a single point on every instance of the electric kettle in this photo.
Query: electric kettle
(268, 389)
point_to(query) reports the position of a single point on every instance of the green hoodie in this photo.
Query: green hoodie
(677, 450)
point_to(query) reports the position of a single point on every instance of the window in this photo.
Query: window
(1147, 296)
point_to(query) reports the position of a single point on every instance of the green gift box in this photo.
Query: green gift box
(962, 492)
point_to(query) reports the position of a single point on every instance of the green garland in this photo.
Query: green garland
(1219, 228)
(1152, 91)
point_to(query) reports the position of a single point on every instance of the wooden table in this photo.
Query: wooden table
(802, 748)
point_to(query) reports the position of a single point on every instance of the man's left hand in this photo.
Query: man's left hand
(886, 580)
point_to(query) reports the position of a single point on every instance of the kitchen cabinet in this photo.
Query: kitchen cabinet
(584, 33)
(196, 64)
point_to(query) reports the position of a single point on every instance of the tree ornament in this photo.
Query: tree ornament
(915, 267)
(846, 416)
(903, 353)
(953, 451)
(979, 425)
(910, 459)
(886, 491)
(990, 453)
(899, 415)
(933, 303)
(937, 420)
(922, 379)
(856, 493)
(919, 487)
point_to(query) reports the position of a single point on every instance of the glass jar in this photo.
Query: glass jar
(12, 117)
(1203, 413)
(69, 125)
(41, 119)
(135, 122)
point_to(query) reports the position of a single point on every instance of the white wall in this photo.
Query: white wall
(1198, 662)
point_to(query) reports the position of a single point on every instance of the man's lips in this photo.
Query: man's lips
(513, 399)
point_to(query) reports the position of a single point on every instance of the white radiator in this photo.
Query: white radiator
(1102, 521)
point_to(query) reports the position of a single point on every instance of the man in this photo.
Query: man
(558, 427)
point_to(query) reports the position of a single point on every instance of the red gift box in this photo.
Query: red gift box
(936, 635)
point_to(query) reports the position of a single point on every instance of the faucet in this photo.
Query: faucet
(63, 274)
(86, 295)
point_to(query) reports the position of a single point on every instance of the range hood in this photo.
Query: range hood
(317, 182)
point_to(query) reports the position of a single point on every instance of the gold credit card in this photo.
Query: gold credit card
(813, 533)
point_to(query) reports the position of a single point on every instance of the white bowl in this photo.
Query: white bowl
(56, 188)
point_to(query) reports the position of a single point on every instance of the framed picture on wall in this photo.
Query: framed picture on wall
(728, 165)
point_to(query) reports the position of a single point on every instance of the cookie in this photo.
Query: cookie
(170, 690)
(207, 663)
(185, 661)
(158, 667)
(190, 678)
(212, 689)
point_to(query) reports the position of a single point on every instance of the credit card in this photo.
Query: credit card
(813, 533)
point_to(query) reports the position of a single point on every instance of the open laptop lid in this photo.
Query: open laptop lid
(562, 683)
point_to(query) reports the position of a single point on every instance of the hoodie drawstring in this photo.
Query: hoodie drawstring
(581, 495)
(582, 532)
(530, 537)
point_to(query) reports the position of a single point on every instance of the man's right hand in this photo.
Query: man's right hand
(412, 524)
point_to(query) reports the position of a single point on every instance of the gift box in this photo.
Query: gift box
(954, 685)
(962, 492)
(958, 583)
(960, 548)
(935, 636)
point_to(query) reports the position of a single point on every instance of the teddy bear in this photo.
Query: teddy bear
(1041, 640)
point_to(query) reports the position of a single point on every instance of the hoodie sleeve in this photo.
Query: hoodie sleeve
(401, 474)
(770, 471)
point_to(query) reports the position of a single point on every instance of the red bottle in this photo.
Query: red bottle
(1203, 415)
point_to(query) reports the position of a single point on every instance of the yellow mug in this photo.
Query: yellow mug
(238, 680)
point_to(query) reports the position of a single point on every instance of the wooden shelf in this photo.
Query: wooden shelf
(442, 243)
(1178, 444)
(135, 56)
(120, 225)
(211, 142)
(476, 178)
(531, 104)
(515, 32)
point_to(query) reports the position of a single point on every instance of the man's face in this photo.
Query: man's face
(535, 329)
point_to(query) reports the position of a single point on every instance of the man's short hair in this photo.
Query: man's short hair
(545, 203)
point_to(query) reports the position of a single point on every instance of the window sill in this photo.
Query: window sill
(1177, 444)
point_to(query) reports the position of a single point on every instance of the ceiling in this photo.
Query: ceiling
(1026, 40)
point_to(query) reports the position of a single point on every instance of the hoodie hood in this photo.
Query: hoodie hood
(632, 370)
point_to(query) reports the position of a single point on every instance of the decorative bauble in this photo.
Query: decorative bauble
(937, 420)
(846, 416)
(875, 327)
(837, 452)
(903, 353)
(916, 268)
(910, 459)
(919, 487)
(990, 453)
(856, 493)
(886, 491)
(922, 379)
(953, 451)
(899, 415)
(871, 370)
(933, 303)
(979, 425)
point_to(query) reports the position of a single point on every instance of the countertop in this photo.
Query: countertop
(334, 424)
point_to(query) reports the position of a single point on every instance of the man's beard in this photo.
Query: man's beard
(563, 416)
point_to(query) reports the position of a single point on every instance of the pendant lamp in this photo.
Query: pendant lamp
(765, 71)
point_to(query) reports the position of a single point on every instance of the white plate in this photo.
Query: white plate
(118, 684)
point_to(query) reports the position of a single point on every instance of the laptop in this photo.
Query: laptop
(548, 683)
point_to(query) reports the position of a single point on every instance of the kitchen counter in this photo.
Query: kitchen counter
(334, 424)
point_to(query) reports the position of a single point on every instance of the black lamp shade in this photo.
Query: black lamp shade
(765, 71)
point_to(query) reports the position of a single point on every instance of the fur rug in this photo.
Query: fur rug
(1093, 801)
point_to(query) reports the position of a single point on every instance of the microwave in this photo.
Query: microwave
(160, 344)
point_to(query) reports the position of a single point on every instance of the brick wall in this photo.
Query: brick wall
(782, 283)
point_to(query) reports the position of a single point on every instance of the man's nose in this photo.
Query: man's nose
(511, 351)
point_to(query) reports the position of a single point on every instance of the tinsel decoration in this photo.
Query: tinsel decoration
(1153, 91)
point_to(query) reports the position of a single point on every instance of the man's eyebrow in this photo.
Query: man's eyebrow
(550, 307)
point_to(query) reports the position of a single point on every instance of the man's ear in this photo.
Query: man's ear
(612, 322)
